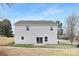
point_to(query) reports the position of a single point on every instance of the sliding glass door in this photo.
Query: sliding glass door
(39, 40)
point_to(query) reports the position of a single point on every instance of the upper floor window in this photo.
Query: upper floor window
(27, 28)
(51, 28)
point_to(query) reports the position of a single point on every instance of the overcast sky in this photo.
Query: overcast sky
(39, 11)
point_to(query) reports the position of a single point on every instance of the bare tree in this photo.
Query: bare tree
(71, 23)
(3, 5)
(6, 4)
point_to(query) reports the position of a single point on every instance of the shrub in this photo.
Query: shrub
(11, 43)
(77, 45)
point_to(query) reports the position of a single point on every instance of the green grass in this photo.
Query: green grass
(23, 45)
(60, 46)
(46, 46)
(27, 46)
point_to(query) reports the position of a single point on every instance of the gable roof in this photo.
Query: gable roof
(36, 23)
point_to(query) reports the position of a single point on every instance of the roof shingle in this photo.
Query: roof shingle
(35, 23)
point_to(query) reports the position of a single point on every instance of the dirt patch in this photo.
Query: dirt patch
(3, 53)
(17, 51)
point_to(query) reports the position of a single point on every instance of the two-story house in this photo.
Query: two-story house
(36, 32)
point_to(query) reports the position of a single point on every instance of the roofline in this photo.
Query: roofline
(53, 23)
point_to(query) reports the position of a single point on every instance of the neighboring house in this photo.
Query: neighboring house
(36, 32)
(65, 36)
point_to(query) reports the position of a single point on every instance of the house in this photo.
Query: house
(35, 32)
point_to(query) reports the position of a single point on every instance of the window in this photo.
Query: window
(22, 38)
(46, 39)
(51, 28)
(27, 28)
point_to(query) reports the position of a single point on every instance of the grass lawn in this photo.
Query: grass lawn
(48, 50)
(20, 51)
(23, 45)
(61, 46)
(46, 46)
